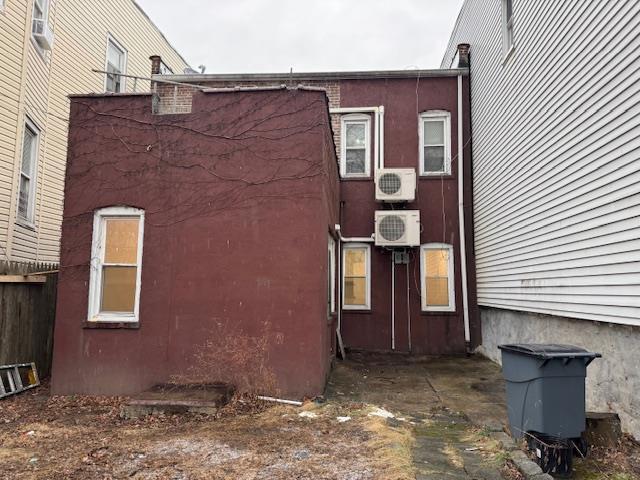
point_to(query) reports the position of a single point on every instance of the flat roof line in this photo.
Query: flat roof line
(318, 76)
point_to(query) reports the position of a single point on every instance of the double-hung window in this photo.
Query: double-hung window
(40, 12)
(435, 143)
(356, 285)
(436, 262)
(115, 67)
(116, 260)
(27, 183)
(355, 142)
(507, 25)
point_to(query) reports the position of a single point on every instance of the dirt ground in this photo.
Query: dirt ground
(385, 417)
(43, 437)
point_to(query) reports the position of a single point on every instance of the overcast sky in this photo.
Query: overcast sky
(309, 35)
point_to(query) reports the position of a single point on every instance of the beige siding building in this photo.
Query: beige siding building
(48, 49)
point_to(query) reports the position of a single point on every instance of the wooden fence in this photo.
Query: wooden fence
(27, 313)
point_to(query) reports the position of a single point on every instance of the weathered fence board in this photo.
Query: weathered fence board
(27, 314)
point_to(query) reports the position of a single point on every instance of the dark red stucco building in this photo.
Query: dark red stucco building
(264, 229)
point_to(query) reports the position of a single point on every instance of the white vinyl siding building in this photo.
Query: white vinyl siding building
(35, 85)
(556, 142)
(555, 151)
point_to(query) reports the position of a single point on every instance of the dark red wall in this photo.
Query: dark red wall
(437, 200)
(239, 198)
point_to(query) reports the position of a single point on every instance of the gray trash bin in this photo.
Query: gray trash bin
(545, 388)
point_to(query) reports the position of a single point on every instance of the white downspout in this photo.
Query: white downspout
(463, 240)
(380, 123)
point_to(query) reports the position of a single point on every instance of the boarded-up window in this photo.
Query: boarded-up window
(437, 277)
(115, 282)
(356, 285)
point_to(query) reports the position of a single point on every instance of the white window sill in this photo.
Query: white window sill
(357, 308)
(509, 54)
(438, 309)
(113, 319)
(435, 174)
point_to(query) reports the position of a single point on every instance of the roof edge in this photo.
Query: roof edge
(287, 77)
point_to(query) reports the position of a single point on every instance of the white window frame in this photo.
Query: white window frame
(118, 45)
(32, 175)
(331, 274)
(353, 246)
(43, 5)
(434, 116)
(355, 119)
(451, 281)
(97, 255)
(508, 36)
(2, 5)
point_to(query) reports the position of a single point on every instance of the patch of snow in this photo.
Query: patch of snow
(343, 419)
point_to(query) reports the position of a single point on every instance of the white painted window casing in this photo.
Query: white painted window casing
(355, 146)
(116, 66)
(40, 9)
(434, 132)
(436, 273)
(356, 276)
(331, 274)
(28, 169)
(507, 27)
(116, 265)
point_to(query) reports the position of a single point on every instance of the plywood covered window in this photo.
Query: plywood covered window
(435, 143)
(27, 183)
(356, 285)
(355, 142)
(116, 262)
(437, 277)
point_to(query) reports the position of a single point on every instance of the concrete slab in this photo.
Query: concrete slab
(173, 399)
(440, 395)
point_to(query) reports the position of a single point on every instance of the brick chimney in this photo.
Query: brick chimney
(156, 62)
(463, 55)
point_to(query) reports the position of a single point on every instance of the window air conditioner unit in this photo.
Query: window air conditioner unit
(398, 228)
(396, 185)
(42, 34)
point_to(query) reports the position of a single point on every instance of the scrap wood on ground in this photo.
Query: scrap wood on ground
(49, 437)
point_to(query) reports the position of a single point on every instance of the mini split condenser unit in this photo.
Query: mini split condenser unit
(398, 228)
(396, 185)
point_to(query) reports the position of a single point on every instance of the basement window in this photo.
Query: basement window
(356, 285)
(435, 143)
(355, 146)
(115, 67)
(436, 266)
(116, 260)
(27, 186)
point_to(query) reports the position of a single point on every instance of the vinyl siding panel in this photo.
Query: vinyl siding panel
(556, 142)
(37, 86)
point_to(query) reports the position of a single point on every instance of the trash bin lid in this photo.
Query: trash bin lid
(549, 350)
